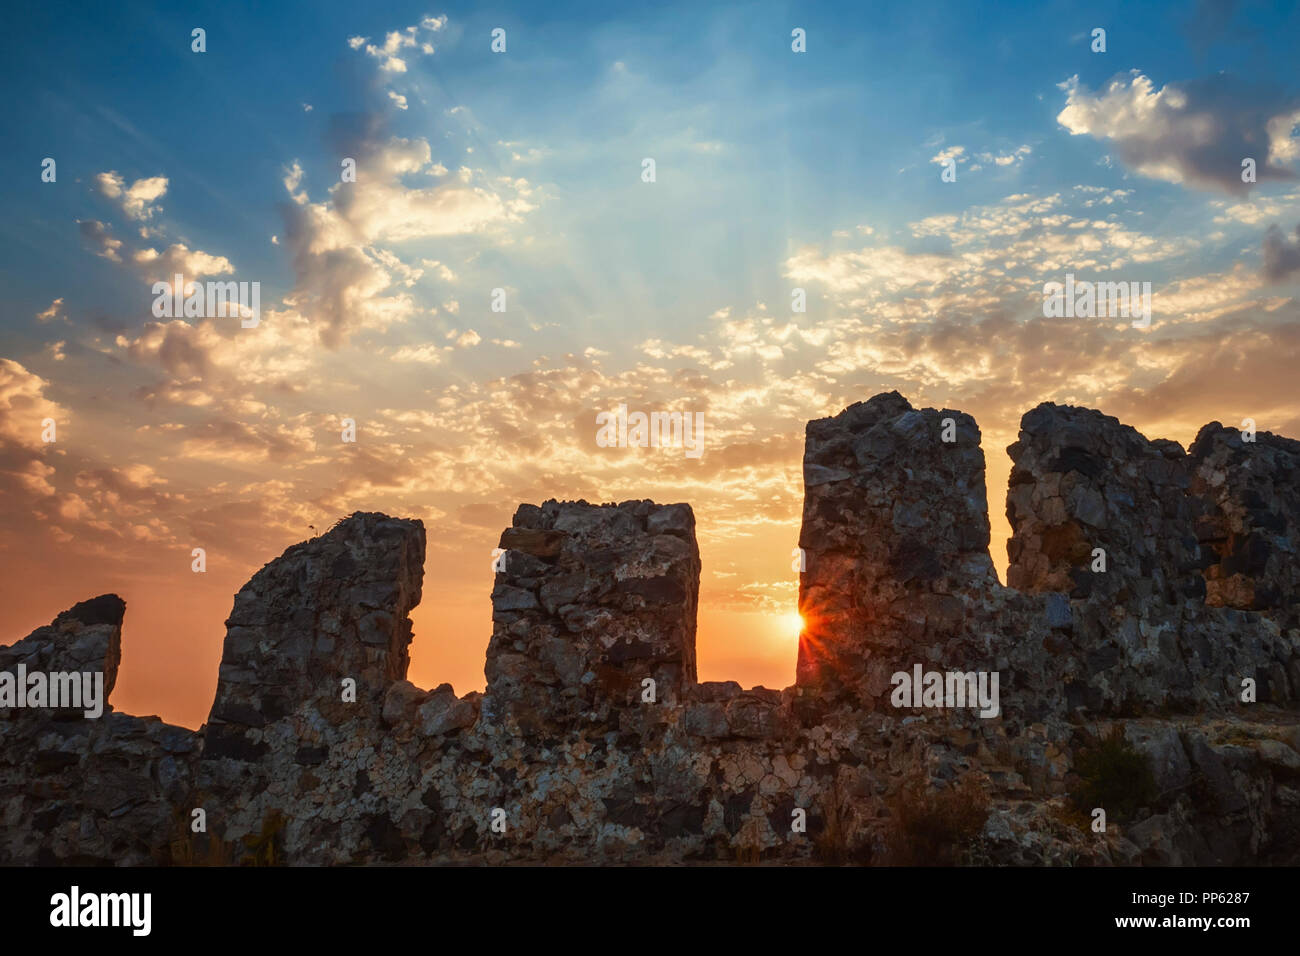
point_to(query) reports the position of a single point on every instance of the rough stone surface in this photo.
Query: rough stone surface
(1198, 589)
(594, 742)
(83, 791)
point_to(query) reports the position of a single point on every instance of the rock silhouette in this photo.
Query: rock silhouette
(1147, 649)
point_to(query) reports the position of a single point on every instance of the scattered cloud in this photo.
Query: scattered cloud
(137, 200)
(52, 312)
(1195, 133)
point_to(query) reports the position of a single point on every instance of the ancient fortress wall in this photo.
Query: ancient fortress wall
(1150, 590)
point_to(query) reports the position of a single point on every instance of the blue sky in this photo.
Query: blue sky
(521, 171)
(805, 142)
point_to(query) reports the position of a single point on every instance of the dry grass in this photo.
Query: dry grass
(937, 828)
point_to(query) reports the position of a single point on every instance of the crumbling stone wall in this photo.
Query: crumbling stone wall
(895, 532)
(86, 791)
(592, 602)
(594, 741)
(1081, 481)
(287, 736)
(1248, 520)
(1151, 545)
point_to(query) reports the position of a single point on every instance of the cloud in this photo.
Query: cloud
(23, 406)
(1195, 133)
(178, 258)
(1006, 159)
(1251, 213)
(944, 156)
(443, 271)
(215, 362)
(136, 200)
(342, 272)
(520, 153)
(1281, 257)
(885, 267)
(148, 263)
(53, 312)
(397, 41)
(427, 354)
(225, 440)
(100, 238)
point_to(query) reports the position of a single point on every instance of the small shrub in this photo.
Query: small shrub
(938, 828)
(830, 842)
(1116, 777)
(266, 848)
(1069, 815)
(186, 848)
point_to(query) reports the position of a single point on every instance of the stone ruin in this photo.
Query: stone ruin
(1151, 609)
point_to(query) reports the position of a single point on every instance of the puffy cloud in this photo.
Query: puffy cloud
(342, 273)
(150, 264)
(136, 200)
(944, 156)
(23, 406)
(215, 362)
(292, 181)
(427, 354)
(1006, 159)
(178, 259)
(33, 477)
(886, 267)
(397, 41)
(443, 271)
(1196, 133)
(101, 239)
(1251, 213)
(340, 288)
(53, 312)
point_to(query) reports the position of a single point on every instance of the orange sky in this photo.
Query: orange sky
(174, 628)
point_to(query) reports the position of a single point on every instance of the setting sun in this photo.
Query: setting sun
(792, 625)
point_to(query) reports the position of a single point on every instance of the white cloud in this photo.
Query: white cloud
(23, 406)
(425, 354)
(1196, 133)
(136, 200)
(52, 312)
(944, 156)
(397, 41)
(1006, 159)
